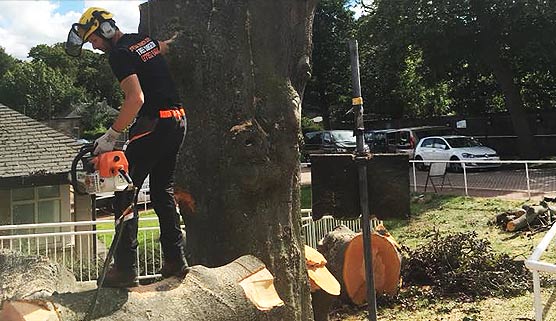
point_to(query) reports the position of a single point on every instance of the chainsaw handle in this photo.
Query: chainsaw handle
(84, 150)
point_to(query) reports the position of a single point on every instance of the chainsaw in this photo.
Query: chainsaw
(103, 173)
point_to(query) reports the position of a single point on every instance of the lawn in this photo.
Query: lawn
(150, 238)
(450, 214)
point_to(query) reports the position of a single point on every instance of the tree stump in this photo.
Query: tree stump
(343, 250)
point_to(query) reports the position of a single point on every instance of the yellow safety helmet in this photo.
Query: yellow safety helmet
(93, 19)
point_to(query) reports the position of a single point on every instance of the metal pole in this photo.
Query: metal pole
(464, 178)
(414, 179)
(528, 182)
(357, 104)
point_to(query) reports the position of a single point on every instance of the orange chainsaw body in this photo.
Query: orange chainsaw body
(111, 163)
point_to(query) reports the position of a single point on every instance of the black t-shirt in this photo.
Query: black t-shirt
(140, 55)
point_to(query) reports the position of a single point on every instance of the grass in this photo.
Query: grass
(451, 214)
(149, 238)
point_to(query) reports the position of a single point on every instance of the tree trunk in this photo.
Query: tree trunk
(505, 77)
(241, 68)
(205, 294)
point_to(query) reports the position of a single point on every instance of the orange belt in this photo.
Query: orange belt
(169, 113)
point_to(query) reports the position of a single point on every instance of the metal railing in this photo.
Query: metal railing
(536, 265)
(523, 178)
(83, 251)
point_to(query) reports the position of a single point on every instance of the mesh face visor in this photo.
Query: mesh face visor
(75, 42)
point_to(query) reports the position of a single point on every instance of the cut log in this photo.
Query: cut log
(531, 213)
(324, 286)
(31, 277)
(319, 276)
(213, 294)
(343, 250)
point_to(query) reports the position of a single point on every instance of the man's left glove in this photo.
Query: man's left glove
(106, 142)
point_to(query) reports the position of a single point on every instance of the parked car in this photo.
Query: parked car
(455, 148)
(329, 142)
(404, 140)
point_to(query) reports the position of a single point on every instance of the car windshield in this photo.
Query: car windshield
(460, 142)
(343, 136)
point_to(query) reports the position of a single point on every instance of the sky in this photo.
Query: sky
(27, 23)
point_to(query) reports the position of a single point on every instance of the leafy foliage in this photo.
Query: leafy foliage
(463, 264)
(39, 91)
(328, 92)
(6, 61)
(439, 54)
(53, 84)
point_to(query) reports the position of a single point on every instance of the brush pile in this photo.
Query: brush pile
(463, 264)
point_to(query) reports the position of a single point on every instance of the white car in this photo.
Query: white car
(455, 148)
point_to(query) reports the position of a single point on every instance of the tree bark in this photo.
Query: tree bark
(505, 77)
(241, 68)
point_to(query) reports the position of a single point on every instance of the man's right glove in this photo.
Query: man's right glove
(106, 142)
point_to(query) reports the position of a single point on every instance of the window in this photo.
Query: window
(40, 204)
(439, 143)
(428, 143)
(314, 139)
(403, 138)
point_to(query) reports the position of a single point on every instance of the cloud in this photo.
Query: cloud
(25, 24)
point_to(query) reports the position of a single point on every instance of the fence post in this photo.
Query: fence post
(414, 178)
(464, 177)
(537, 295)
(528, 183)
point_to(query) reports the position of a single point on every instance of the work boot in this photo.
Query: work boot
(115, 278)
(177, 268)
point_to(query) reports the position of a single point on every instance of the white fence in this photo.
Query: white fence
(536, 265)
(83, 251)
(525, 178)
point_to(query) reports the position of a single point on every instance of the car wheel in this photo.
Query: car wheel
(455, 167)
(420, 166)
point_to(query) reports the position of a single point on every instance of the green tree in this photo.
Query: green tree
(39, 91)
(488, 51)
(328, 92)
(6, 62)
(91, 71)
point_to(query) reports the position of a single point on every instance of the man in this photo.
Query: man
(155, 136)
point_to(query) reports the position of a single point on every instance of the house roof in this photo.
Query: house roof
(29, 148)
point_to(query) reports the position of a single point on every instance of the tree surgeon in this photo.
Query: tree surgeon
(156, 134)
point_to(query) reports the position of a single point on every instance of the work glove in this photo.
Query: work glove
(106, 142)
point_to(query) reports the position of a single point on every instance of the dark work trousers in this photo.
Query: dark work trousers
(152, 150)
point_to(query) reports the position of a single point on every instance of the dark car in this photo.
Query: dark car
(328, 142)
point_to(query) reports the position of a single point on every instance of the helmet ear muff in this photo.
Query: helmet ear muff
(107, 29)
